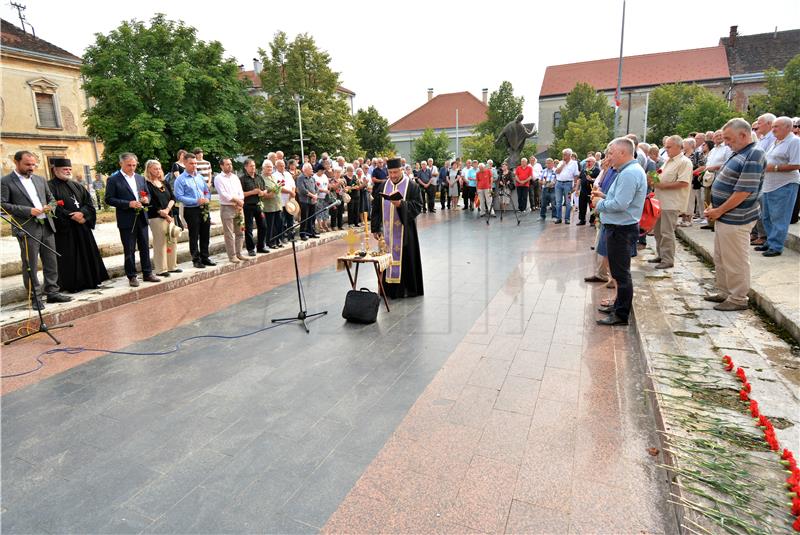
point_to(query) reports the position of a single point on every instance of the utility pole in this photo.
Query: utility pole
(297, 99)
(618, 94)
(21, 13)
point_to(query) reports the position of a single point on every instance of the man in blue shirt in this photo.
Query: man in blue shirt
(192, 191)
(620, 211)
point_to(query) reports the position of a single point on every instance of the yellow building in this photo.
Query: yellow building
(42, 104)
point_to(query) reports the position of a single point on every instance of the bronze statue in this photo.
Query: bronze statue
(515, 135)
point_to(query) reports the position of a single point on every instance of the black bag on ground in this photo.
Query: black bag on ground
(361, 306)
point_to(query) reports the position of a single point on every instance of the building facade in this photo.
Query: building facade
(42, 104)
(455, 114)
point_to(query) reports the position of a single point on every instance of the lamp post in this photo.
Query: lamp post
(297, 99)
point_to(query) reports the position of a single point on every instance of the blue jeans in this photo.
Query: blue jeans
(776, 212)
(548, 197)
(563, 191)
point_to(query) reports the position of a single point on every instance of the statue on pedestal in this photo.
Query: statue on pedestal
(515, 134)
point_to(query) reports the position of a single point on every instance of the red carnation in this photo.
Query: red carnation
(786, 455)
(659, 170)
(60, 202)
(796, 525)
(747, 387)
(796, 507)
(743, 395)
(727, 359)
(754, 408)
(729, 367)
(740, 374)
(169, 250)
(793, 480)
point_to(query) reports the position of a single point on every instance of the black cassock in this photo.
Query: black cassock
(411, 266)
(80, 265)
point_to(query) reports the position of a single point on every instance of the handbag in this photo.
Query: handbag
(650, 213)
(361, 306)
(346, 198)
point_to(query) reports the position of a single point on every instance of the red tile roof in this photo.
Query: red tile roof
(440, 112)
(256, 81)
(699, 64)
(13, 37)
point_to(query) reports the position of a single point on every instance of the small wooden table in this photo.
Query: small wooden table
(379, 263)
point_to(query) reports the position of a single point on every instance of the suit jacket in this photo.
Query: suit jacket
(119, 195)
(14, 199)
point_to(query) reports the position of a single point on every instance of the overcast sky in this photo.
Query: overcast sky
(389, 53)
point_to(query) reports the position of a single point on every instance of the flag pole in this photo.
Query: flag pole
(618, 93)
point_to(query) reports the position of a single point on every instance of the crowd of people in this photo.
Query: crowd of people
(713, 179)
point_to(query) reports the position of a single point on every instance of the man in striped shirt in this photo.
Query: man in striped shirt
(734, 207)
(203, 167)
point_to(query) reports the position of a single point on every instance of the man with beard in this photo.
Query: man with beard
(80, 265)
(396, 204)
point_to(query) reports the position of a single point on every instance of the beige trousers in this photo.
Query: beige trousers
(234, 236)
(485, 195)
(732, 260)
(163, 259)
(665, 236)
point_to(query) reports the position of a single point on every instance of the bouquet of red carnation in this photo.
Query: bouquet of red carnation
(143, 197)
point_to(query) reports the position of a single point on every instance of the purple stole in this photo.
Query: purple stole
(393, 230)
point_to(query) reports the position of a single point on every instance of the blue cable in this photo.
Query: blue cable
(175, 349)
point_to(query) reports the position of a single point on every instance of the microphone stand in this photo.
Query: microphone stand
(43, 328)
(303, 314)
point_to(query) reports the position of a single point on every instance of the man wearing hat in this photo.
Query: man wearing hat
(396, 204)
(26, 198)
(80, 265)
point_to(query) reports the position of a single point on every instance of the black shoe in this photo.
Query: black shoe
(433, 211)
(557, 221)
(606, 310)
(263, 251)
(612, 319)
(133, 282)
(707, 227)
(273, 247)
(566, 221)
(251, 253)
(769, 252)
(198, 264)
(163, 274)
(37, 305)
(656, 260)
(304, 238)
(594, 278)
(762, 248)
(56, 297)
(150, 278)
(176, 270)
(208, 262)
(579, 223)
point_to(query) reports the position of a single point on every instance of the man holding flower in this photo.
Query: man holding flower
(671, 184)
(191, 190)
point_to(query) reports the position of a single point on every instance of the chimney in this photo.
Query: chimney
(256, 66)
(732, 36)
(485, 95)
(430, 94)
(241, 67)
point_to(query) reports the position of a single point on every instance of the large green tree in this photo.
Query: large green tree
(684, 108)
(783, 93)
(432, 145)
(372, 131)
(706, 111)
(299, 69)
(503, 107)
(583, 99)
(157, 88)
(582, 135)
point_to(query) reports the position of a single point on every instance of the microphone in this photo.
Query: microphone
(335, 203)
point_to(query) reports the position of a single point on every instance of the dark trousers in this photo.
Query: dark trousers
(199, 232)
(307, 227)
(444, 196)
(428, 197)
(354, 208)
(619, 241)
(548, 198)
(288, 221)
(469, 196)
(337, 216)
(252, 212)
(522, 198)
(534, 194)
(131, 239)
(32, 251)
(583, 204)
(273, 221)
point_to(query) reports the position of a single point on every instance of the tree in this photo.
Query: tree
(707, 111)
(783, 93)
(372, 131)
(480, 147)
(665, 107)
(583, 99)
(432, 145)
(583, 135)
(299, 68)
(157, 89)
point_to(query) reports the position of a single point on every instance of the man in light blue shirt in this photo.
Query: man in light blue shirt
(620, 210)
(191, 190)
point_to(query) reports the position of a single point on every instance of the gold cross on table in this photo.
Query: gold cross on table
(351, 239)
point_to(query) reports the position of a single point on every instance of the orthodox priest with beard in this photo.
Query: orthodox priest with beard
(80, 265)
(395, 205)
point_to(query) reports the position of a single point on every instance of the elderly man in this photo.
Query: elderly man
(763, 130)
(231, 208)
(426, 187)
(126, 191)
(620, 210)
(80, 265)
(535, 192)
(394, 220)
(715, 159)
(672, 191)
(779, 190)
(192, 191)
(735, 210)
(566, 172)
(253, 188)
(587, 177)
(307, 195)
(523, 177)
(26, 197)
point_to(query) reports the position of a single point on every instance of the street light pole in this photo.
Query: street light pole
(297, 99)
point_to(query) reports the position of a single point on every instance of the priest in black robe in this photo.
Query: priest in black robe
(395, 205)
(80, 265)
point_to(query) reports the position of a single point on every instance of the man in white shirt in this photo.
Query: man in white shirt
(27, 199)
(566, 172)
(231, 201)
(715, 159)
(535, 193)
(288, 191)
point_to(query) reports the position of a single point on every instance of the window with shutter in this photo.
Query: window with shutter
(46, 108)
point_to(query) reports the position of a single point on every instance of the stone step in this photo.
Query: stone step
(793, 238)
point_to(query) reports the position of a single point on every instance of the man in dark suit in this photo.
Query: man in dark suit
(127, 193)
(26, 198)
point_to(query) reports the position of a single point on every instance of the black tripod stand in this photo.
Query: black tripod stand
(503, 191)
(43, 328)
(303, 314)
